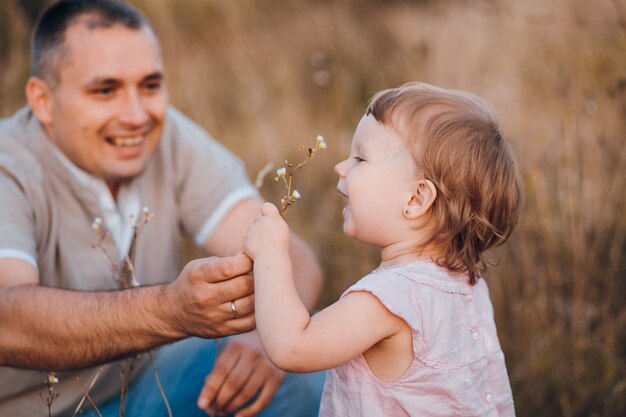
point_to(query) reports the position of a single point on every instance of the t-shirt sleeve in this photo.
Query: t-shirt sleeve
(17, 236)
(211, 181)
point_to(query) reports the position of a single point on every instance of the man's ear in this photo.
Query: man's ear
(421, 200)
(39, 96)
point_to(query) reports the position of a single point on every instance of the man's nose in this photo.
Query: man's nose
(133, 111)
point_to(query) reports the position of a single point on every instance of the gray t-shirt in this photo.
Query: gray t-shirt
(189, 184)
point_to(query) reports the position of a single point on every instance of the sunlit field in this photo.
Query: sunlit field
(267, 76)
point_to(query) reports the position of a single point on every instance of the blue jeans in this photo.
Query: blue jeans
(182, 367)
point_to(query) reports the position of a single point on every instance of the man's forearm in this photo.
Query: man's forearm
(47, 328)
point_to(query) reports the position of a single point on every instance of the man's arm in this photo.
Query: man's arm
(47, 328)
(232, 384)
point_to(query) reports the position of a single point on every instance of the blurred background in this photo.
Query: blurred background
(266, 76)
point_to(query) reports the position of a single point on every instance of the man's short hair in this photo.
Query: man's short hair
(48, 40)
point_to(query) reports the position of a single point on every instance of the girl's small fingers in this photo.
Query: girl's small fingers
(268, 209)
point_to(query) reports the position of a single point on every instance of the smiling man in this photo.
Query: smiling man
(98, 139)
(103, 103)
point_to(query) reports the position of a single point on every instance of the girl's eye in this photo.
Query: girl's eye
(358, 159)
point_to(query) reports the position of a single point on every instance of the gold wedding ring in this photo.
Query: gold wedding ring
(233, 309)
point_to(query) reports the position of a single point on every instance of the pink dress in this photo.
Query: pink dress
(458, 367)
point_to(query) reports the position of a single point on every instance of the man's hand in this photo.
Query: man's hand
(241, 371)
(201, 297)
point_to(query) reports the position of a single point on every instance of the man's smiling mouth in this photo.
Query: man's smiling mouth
(125, 141)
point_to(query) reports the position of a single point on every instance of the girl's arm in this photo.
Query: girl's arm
(292, 339)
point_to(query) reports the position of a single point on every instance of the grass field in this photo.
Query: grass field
(266, 76)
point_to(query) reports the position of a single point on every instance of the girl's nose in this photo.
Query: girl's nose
(340, 169)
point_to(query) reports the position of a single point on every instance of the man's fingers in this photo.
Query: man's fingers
(250, 389)
(225, 361)
(232, 386)
(234, 289)
(240, 325)
(239, 307)
(220, 269)
(264, 398)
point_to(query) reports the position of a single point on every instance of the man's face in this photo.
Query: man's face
(108, 106)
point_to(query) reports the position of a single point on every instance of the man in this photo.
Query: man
(98, 140)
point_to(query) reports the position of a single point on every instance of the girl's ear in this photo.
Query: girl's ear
(421, 200)
(39, 98)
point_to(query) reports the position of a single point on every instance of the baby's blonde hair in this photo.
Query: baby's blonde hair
(456, 143)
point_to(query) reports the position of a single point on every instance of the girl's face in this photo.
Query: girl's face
(377, 179)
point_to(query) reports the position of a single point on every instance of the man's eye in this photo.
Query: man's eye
(104, 91)
(154, 86)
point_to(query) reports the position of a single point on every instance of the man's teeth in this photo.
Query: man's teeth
(132, 141)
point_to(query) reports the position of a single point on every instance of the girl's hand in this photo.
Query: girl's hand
(268, 234)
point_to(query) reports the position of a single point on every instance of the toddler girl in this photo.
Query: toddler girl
(432, 182)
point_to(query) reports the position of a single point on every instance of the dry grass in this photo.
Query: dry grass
(265, 76)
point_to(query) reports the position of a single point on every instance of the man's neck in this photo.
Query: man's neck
(114, 187)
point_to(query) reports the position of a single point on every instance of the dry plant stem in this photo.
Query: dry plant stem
(50, 382)
(158, 380)
(106, 254)
(48, 402)
(86, 392)
(286, 200)
(86, 395)
(286, 174)
(125, 375)
(126, 278)
(128, 273)
(260, 177)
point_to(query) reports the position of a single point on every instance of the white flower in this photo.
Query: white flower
(146, 214)
(97, 224)
(321, 143)
(52, 380)
(295, 195)
(280, 173)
